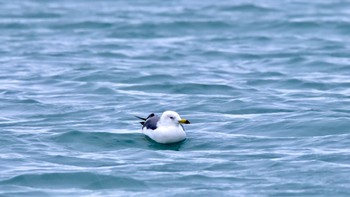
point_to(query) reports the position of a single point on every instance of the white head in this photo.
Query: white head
(172, 118)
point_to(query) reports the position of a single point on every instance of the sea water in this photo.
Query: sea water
(265, 84)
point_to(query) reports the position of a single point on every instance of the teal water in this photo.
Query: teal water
(265, 85)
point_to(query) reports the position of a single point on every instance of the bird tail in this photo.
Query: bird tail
(141, 119)
(144, 119)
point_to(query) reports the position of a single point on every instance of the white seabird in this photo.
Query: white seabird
(165, 129)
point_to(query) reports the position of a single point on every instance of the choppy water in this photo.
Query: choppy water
(265, 84)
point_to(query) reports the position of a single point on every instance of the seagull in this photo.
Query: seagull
(165, 129)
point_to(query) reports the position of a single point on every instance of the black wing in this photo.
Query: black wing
(151, 122)
(144, 119)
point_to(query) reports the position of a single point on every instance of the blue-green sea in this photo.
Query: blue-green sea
(265, 84)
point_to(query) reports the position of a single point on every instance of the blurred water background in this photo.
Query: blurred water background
(264, 83)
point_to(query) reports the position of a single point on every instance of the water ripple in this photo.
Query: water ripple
(264, 84)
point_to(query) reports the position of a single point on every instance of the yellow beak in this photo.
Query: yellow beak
(184, 121)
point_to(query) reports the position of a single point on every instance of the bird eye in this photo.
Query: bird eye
(171, 117)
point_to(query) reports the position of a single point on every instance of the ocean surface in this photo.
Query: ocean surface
(265, 84)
